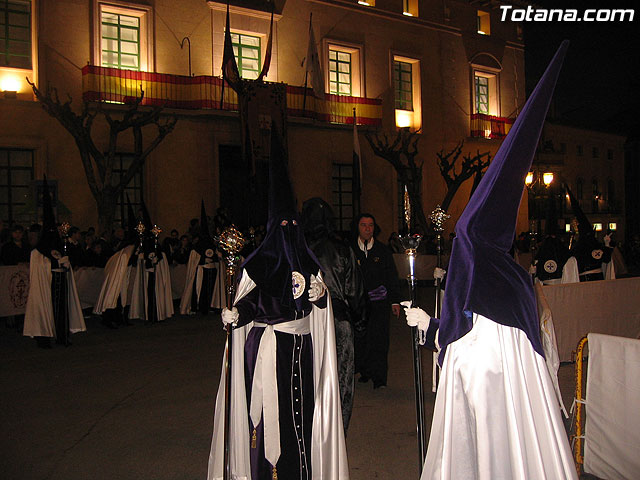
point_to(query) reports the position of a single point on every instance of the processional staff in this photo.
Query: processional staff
(410, 244)
(232, 242)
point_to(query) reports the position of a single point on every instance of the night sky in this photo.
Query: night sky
(599, 84)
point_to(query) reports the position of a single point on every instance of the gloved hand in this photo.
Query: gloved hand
(416, 317)
(607, 241)
(317, 289)
(439, 273)
(230, 317)
(64, 262)
(532, 270)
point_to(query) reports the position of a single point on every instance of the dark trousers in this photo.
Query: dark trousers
(372, 350)
(152, 310)
(60, 310)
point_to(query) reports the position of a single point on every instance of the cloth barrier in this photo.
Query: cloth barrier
(14, 286)
(610, 307)
(612, 425)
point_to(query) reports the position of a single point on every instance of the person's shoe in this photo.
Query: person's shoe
(363, 379)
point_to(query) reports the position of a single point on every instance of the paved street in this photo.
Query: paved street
(137, 403)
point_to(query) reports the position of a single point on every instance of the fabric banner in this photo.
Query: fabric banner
(611, 307)
(14, 289)
(612, 425)
(106, 84)
(14, 286)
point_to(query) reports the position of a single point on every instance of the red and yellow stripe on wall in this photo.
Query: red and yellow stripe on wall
(105, 84)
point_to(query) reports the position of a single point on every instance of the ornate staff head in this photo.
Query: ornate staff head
(438, 217)
(63, 229)
(231, 241)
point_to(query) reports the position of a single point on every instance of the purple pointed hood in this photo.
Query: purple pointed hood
(483, 278)
(284, 249)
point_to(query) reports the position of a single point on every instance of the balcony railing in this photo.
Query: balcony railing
(104, 84)
(488, 126)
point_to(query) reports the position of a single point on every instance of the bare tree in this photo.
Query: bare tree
(401, 153)
(98, 162)
(448, 165)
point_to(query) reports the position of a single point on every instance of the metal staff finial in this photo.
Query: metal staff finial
(438, 217)
(407, 210)
(410, 243)
(231, 242)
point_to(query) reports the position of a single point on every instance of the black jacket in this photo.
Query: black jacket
(343, 279)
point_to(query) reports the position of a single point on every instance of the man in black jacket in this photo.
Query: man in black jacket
(382, 287)
(342, 277)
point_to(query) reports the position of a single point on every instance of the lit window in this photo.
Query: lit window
(482, 94)
(339, 72)
(342, 64)
(123, 38)
(403, 84)
(597, 226)
(485, 93)
(246, 48)
(595, 199)
(406, 85)
(15, 34)
(120, 41)
(613, 226)
(410, 8)
(484, 23)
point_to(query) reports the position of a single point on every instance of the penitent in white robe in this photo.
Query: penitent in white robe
(38, 318)
(328, 448)
(117, 272)
(164, 298)
(496, 414)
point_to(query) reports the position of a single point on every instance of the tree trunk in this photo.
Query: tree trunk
(451, 192)
(106, 212)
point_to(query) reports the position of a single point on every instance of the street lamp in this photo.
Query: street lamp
(538, 184)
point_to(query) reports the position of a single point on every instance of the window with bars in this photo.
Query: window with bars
(246, 48)
(482, 94)
(120, 44)
(15, 34)
(342, 195)
(16, 175)
(133, 190)
(340, 81)
(402, 79)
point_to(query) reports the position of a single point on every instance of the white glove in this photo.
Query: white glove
(439, 273)
(64, 262)
(317, 289)
(607, 240)
(230, 317)
(416, 317)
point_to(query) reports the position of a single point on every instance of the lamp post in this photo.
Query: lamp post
(538, 184)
